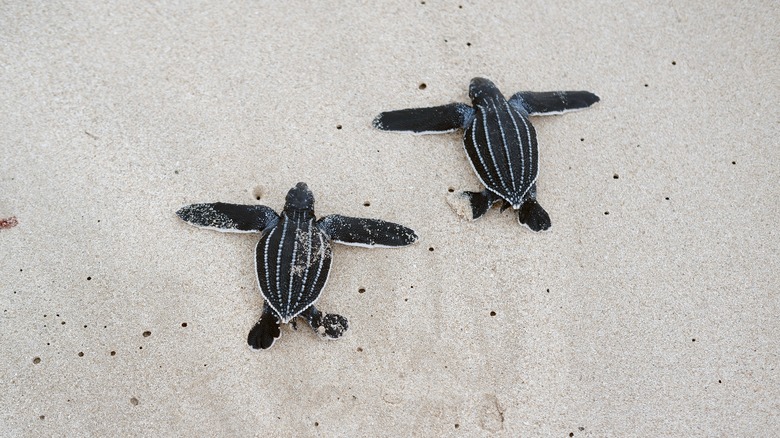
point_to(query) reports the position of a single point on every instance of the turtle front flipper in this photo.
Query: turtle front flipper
(266, 330)
(552, 102)
(232, 218)
(432, 120)
(327, 325)
(472, 205)
(366, 232)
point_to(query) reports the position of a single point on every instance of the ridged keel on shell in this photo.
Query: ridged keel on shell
(293, 263)
(501, 145)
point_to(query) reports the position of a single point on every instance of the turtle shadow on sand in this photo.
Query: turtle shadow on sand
(293, 256)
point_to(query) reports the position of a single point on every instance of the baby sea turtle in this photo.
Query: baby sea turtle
(293, 256)
(499, 141)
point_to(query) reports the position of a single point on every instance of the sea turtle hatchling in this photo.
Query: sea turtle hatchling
(293, 256)
(500, 142)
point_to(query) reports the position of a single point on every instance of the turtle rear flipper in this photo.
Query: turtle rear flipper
(233, 218)
(327, 325)
(472, 205)
(366, 232)
(533, 216)
(552, 102)
(266, 330)
(432, 120)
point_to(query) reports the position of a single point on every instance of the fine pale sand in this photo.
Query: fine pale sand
(649, 309)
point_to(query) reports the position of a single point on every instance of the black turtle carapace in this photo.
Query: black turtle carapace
(293, 256)
(499, 140)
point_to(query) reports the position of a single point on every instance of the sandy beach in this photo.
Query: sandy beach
(650, 308)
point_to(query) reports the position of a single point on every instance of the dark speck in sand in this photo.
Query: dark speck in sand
(8, 222)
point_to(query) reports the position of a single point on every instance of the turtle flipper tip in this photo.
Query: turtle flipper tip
(333, 326)
(264, 334)
(533, 216)
(402, 236)
(326, 325)
(185, 212)
(586, 99)
(377, 122)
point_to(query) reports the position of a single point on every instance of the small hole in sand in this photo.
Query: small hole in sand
(430, 249)
(316, 423)
(359, 349)
(89, 278)
(582, 139)
(451, 189)
(492, 313)
(42, 417)
(133, 401)
(184, 324)
(362, 290)
(606, 213)
(457, 425)
(674, 63)
(36, 360)
(719, 381)
(113, 353)
(367, 204)
(257, 193)
(422, 86)
(646, 85)
(338, 126)
(693, 340)
(468, 44)
(147, 334)
(81, 354)
(667, 198)
(733, 162)
(615, 176)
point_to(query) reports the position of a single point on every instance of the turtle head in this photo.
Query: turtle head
(480, 88)
(299, 199)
